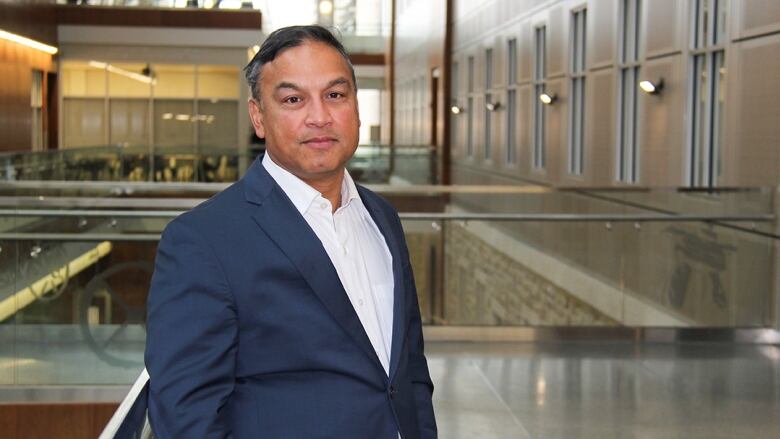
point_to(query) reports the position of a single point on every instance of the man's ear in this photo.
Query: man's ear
(357, 109)
(256, 116)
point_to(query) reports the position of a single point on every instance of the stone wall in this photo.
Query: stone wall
(484, 286)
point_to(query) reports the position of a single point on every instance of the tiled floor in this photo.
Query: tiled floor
(498, 390)
(606, 390)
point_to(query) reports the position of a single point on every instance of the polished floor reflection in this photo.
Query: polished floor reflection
(544, 390)
(606, 390)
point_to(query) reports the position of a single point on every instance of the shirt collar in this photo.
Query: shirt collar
(299, 192)
(348, 190)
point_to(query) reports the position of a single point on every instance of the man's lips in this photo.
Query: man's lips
(320, 142)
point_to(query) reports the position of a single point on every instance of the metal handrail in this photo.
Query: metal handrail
(412, 216)
(123, 187)
(524, 217)
(128, 188)
(130, 418)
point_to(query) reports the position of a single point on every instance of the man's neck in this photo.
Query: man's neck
(330, 188)
(327, 185)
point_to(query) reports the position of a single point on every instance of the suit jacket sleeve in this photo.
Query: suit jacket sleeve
(191, 337)
(418, 365)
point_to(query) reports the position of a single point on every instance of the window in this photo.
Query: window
(453, 94)
(540, 72)
(422, 126)
(471, 110)
(707, 92)
(577, 92)
(511, 57)
(511, 103)
(36, 103)
(488, 150)
(160, 109)
(628, 77)
(471, 75)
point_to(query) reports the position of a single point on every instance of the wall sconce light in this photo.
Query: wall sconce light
(651, 87)
(493, 106)
(548, 99)
(456, 109)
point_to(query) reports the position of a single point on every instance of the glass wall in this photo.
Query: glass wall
(150, 105)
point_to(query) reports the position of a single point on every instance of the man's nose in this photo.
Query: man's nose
(319, 113)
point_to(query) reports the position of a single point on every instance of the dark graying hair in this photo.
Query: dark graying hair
(286, 38)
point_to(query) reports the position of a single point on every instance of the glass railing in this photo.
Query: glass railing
(75, 269)
(408, 164)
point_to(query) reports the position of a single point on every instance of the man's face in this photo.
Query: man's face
(308, 112)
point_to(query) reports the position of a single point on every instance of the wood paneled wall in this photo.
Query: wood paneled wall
(62, 421)
(159, 17)
(32, 19)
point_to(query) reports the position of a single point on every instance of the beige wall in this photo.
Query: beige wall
(750, 131)
(419, 48)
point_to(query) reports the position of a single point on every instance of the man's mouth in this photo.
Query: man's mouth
(320, 142)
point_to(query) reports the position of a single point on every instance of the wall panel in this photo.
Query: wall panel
(602, 33)
(557, 41)
(755, 17)
(751, 152)
(557, 115)
(600, 152)
(661, 129)
(663, 28)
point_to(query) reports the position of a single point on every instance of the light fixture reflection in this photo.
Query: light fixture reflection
(51, 50)
(456, 109)
(541, 391)
(119, 71)
(548, 99)
(493, 106)
(651, 87)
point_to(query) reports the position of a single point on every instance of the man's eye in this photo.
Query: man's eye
(335, 95)
(292, 100)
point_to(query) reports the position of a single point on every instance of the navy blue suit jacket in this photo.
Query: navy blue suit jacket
(251, 334)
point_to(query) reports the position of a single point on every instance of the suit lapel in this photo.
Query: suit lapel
(399, 294)
(282, 222)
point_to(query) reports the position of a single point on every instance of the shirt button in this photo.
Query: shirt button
(324, 206)
(360, 302)
(345, 249)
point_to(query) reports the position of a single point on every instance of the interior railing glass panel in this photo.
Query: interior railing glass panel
(76, 262)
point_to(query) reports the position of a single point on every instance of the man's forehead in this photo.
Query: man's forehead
(313, 50)
(311, 63)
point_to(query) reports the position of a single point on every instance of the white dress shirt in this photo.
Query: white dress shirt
(356, 248)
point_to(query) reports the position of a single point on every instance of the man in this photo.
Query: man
(285, 306)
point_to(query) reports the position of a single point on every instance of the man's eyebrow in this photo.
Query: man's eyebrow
(282, 85)
(339, 81)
